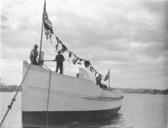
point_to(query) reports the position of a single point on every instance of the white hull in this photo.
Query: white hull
(66, 93)
(55, 97)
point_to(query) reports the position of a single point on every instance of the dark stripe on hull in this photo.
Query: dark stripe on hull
(39, 119)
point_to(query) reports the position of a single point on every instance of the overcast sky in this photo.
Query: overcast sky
(126, 36)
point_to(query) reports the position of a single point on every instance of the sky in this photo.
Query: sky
(129, 37)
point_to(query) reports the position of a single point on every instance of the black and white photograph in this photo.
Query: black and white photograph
(84, 64)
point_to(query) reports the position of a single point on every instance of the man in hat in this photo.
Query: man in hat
(59, 60)
(33, 55)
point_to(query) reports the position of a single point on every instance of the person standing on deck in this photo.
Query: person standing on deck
(98, 80)
(33, 55)
(59, 60)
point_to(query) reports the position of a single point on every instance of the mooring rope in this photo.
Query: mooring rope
(14, 98)
(48, 97)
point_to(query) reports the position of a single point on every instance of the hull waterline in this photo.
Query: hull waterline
(37, 119)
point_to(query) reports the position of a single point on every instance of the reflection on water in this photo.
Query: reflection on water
(138, 111)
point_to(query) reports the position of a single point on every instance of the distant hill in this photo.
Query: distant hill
(9, 88)
(142, 91)
(13, 88)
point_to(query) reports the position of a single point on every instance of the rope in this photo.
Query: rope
(14, 98)
(46, 67)
(48, 97)
(48, 60)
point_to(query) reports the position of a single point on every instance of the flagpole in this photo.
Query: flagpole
(109, 78)
(41, 38)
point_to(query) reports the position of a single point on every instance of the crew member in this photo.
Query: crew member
(98, 80)
(59, 60)
(33, 55)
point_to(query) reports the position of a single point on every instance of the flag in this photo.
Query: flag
(70, 54)
(107, 76)
(75, 60)
(87, 63)
(47, 23)
(64, 48)
(57, 45)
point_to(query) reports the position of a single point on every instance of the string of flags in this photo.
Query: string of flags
(75, 59)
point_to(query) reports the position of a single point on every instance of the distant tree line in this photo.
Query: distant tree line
(12, 88)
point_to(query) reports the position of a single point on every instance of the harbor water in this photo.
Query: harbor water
(137, 111)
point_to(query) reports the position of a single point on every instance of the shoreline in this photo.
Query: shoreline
(14, 88)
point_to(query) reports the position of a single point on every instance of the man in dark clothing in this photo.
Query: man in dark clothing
(33, 55)
(59, 59)
(98, 80)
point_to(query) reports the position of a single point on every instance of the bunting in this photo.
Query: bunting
(48, 27)
(91, 68)
(64, 48)
(75, 58)
(87, 63)
(70, 54)
(57, 45)
(80, 61)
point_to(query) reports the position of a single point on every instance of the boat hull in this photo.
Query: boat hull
(48, 97)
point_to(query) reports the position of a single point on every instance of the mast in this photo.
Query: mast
(109, 78)
(41, 38)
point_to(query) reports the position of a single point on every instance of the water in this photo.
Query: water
(138, 111)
